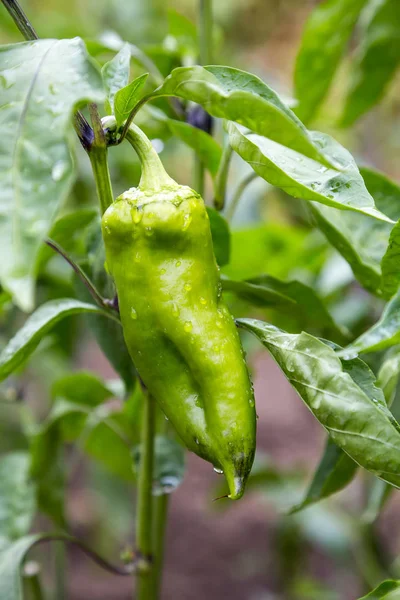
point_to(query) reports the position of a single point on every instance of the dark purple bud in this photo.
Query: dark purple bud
(199, 118)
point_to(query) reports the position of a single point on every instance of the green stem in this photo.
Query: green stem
(222, 177)
(154, 176)
(145, 576)
(32, 583)
(60, 564)
(20, 19)
(230, 211)
(159, 526)
(205, 57)
(98, 160)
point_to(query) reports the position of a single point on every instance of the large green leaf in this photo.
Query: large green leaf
(362, 240)
(324, 41)
(345, 401)
(42, 83)
(376, 61)
(242, 97)
(25, 341)
(335, 470)
(17, 495)
(302, 177)
(385, 333)
(388, 590)
(115, 75)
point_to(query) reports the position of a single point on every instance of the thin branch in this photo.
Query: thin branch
(20, 19)
(102, 302)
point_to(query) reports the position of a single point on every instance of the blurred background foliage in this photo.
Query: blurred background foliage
(252, 550)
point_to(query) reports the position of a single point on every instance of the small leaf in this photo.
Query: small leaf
(17, 496)
(238, 96)
(303, 177)
(388, 590)
(115, 75)
(127, 97)
(344, 400)
(385, 332)
(169, 464)
(376, 61)
(324, 41)
(221, 236)
(334, 472)
(43, 82)
(25, 341)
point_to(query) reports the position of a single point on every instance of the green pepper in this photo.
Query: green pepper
(178, 329)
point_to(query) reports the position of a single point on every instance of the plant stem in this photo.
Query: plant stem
(160, 508)
(32, 585)
(60, 564)
(20, 19)
(222, 177)
(98, 159)
(230, 211)
(145, 576)
(205, 57)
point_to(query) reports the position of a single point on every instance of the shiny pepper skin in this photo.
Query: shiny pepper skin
(178, 330)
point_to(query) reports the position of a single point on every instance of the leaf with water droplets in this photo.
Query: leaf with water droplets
(343, 397)
(302, 177)
(50, 78)
(25, 341)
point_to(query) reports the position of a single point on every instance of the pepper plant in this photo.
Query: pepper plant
(146, 279)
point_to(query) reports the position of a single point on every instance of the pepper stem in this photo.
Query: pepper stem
(154, 176)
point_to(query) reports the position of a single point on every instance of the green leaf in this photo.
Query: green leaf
(242, 97)
(288, 296)
(66, 231)
(388, 590)
(385, 332)
(221, 236)
(344, 400)
(42, 84)
(83, 388)
(324, 41)
(115, 75)
(17, 496)
(25, 341)
(334, 472)
(127, 97)
(389, 373)
(11, 559)
(362, 240)
(376, 61)
(208, 150)
(302, 177)
(169, 464)
(378, 494)
(108, 333)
